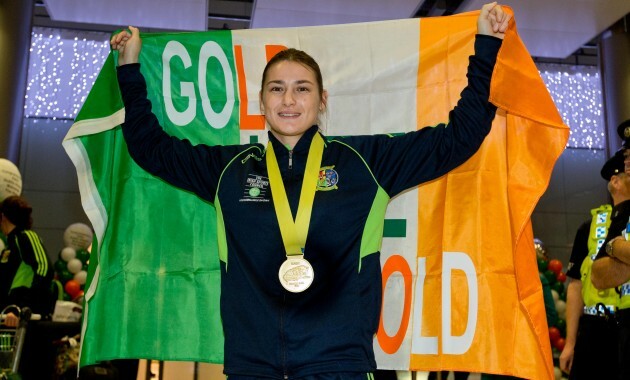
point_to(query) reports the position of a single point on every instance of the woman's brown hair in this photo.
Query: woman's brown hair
(18, 211)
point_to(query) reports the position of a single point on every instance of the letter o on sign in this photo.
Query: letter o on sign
(391, 344)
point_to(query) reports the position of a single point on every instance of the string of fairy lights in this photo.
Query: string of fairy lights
(577, 93)
(64, 64)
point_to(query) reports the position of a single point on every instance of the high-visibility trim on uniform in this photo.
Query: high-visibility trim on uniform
(592, 296)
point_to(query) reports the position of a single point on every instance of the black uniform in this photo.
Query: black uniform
(595, 353)
(620, 218)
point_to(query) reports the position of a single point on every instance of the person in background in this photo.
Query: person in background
(30, 284)
(611, 268)
(591, 340)
(8, 266)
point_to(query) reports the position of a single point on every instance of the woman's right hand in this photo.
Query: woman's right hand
(11, 320)
(566, 358)
(128, 45)
(493, 20)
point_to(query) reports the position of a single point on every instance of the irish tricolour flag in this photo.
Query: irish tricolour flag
(460, 283)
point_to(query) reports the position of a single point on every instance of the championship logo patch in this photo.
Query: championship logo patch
(256, 189)
(328, 178)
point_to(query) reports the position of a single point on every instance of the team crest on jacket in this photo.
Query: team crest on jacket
(328, 178)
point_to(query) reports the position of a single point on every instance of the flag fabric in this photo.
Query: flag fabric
(461, 288)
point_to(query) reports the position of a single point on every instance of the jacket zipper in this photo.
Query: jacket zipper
(290, 159)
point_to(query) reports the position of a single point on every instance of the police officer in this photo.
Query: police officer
(591, 327)
(611, 268)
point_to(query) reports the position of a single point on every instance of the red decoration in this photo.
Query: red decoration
(561, 277)
(554, 335)
(560, 344)
(73, 288)
(555, 266)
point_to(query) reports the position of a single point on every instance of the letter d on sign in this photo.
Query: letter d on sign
(457, 345)
(452, 345)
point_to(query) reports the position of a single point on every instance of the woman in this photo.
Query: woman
(300, 222)
(25, 254)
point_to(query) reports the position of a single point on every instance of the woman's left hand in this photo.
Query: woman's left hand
(493, 21)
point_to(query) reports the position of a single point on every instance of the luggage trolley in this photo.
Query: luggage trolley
(12, 341)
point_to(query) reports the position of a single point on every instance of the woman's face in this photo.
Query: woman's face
(290, 100)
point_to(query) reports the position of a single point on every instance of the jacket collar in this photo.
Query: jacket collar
(302, 145)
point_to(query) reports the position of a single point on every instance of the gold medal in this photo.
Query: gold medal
(296, 274)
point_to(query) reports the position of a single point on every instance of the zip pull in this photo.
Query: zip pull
(291, 159)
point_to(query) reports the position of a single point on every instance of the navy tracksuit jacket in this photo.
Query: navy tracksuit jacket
(272, 333)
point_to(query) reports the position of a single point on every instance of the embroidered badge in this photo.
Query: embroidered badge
(256, 189)
(328, 178)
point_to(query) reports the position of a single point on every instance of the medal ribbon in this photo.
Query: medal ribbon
(294, 232)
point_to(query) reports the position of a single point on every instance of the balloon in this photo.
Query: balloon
(10, 179)
(78, 236)
(561, 308)
(562, 326)
(557, 373)
(60, 265)
(65, 275)
(74, 266)
(555, 266)
(558, 287)
(560, 344)
(555, 295)
(68, 254)
(541, 252)
(554, 335)
(550, 276)
(561, 277)
(80, 277)
(83, 255)
(542, 264)
(72, 288)
(79, 297)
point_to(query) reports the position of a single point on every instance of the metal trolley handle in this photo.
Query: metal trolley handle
(26, 315)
